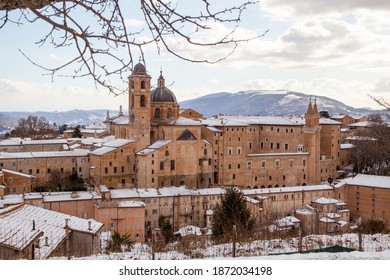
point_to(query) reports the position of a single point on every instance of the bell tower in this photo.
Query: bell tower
(139, 106)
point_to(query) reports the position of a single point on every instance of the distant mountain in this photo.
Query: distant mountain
(72, 117)
(255, 102)
(261, 102)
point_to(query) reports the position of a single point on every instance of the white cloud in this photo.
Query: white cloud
(131, 22)
(304, 9)
(383, 85)
(18, 95)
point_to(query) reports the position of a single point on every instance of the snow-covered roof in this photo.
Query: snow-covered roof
(361, 124)
(287, 221)
(208, 191)
(117, 143)
(183, 121)
(326, 121)
(16, 173)
(326, 200)
(338, 116)
(189, 230)
(360, 138)
(271, 191)
(20, 141)
(347, 146)
(130, 204)
(72, 153)
(370, 181)
(65, 196)
(122, 120)
(333, 215)
(214, 129)
(159, 144)
(308, 210)
(155, 146)
(23, 155)
(327, 220)
(251, 200)
(18, 222)
(102, 151)
(241, 120)
(103, 188)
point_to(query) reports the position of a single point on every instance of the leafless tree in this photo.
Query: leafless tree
(104, 45)
(382, 102)
(33, 127)
(372, 150)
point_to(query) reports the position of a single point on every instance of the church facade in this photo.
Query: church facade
(169, 149)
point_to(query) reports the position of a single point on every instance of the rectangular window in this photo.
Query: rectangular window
(80, 169)
(261, 145)
(48, 170)
(37, 171)
(271, 145)
(115, 169)
(123, 169)
(263, 164)
(161, 165)
(277, 163)
(291, 162)
(172, 165)
(286, 146)
(106, 170)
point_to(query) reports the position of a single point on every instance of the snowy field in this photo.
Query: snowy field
(375, 247)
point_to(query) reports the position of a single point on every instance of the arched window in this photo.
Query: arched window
(205, 152)
(169, 113)
(142, 101)
(166, 153)
(157, 113)
(142, 84)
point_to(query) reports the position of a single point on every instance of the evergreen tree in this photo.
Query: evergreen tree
(77, 132)
(119, 242)
(231, 211)
(166, 229)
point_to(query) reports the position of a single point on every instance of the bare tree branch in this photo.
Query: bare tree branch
(104, 46)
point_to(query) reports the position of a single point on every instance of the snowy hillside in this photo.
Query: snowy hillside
(374, 247)
(259, 102)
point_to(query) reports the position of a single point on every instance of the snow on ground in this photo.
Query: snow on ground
(375, 247)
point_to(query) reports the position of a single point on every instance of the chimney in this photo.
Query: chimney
(46, 241)
(89, 225)
(66, 223)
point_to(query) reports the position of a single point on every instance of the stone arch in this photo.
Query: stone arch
(143, 101)
(157, 113)
(169, 113)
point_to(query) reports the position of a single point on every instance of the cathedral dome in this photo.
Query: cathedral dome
(139, 69)
(161, 93)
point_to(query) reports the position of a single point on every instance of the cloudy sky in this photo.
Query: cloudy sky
(338, 49)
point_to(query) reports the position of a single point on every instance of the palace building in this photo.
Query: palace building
(171, 149)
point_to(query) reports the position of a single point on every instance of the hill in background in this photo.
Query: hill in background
(251, 102)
